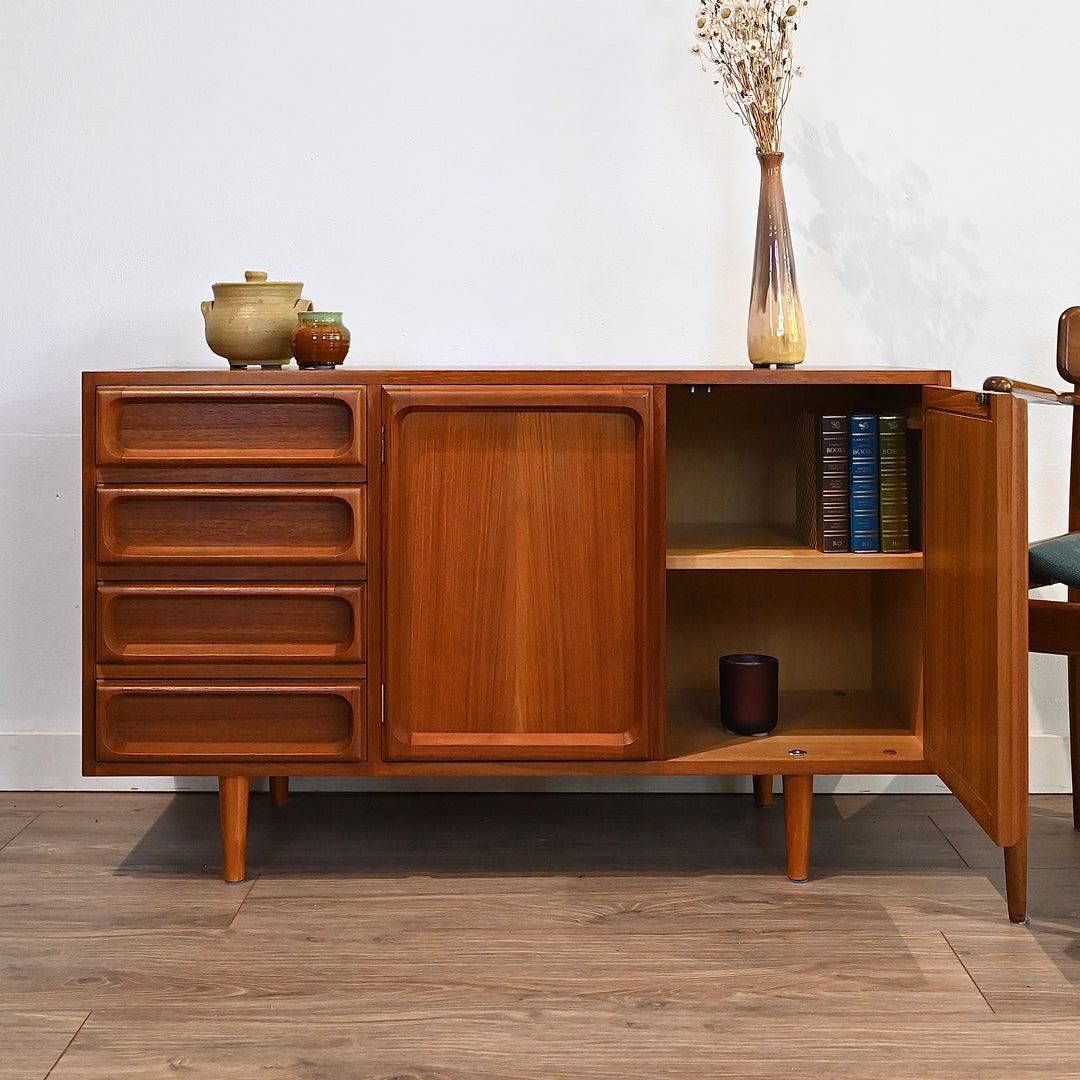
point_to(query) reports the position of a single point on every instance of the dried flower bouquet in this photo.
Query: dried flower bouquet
(748, 44)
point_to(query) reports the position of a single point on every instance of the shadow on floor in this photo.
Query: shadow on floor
(391, 834)
(403, 834)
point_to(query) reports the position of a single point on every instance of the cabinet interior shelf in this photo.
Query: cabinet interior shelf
(711, 546)
(852, 726)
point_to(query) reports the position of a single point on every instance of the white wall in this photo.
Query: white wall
(486, 182)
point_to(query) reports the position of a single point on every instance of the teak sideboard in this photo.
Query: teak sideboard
(533, 573)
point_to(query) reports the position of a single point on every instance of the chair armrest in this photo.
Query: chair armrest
(999, 384)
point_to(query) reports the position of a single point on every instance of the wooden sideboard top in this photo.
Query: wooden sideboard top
(347, 376)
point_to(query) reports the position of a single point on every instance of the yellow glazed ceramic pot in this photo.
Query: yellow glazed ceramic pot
(251, 321)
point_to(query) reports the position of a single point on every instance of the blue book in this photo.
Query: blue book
(865, 487)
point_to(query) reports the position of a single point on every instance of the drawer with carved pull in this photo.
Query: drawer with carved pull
(217, 721)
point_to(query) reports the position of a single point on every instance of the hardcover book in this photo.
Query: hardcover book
(864, 482)
(893, 483)
(822, 482)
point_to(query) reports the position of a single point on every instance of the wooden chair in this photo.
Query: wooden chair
(1054, 625)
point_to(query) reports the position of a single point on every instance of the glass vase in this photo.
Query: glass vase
(775, 332)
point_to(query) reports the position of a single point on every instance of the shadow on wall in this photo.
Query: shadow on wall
(911, 274)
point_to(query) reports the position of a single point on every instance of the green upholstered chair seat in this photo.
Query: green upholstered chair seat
(1056, 560)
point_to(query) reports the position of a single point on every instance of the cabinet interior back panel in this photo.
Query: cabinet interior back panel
(731, 450)
(822, 628)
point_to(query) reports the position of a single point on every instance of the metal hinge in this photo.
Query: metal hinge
(382, 443)
(382, 703)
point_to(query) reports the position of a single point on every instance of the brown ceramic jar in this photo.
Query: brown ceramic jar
(320, 339)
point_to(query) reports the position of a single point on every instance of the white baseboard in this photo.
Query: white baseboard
(1048, 764)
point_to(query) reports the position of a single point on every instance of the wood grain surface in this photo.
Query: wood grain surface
(975, 534)
(515, 544)
(446, 936)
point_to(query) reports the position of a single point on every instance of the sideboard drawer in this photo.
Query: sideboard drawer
(230, 623)
(230, 721)
(252, 426)
(282, 525)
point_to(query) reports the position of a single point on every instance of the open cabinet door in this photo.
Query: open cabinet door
(975, 541)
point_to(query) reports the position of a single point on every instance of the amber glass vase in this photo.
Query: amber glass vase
(775, 333)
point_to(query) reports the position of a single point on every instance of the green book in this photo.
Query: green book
(893, 483)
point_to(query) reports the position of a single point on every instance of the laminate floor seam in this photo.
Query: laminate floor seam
(19, 832)
(967, 972)
(945, 836)
(71, 1041)
(249, 884)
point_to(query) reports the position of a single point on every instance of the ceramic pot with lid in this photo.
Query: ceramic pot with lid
(251, 321)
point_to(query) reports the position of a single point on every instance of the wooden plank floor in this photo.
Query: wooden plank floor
(528, 936)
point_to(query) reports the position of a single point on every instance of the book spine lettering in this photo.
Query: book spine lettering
(893, 483)
(821, 488)
(833, 484)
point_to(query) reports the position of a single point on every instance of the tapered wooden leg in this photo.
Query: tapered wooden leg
(1074, 734)
(279, 790)
(1016, 865)
(763, 790)
(798, 800)
(233, 796)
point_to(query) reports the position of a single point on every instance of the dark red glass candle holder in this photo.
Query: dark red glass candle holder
(749, 693)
